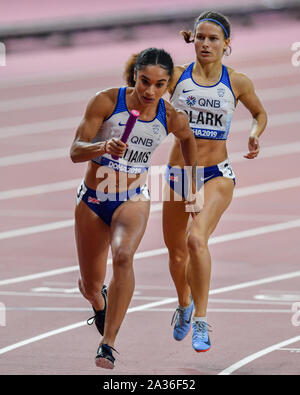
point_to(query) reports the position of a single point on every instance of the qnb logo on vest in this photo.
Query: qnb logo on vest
(146, 142)
(203, 102)
(212, 103)
(191, 101)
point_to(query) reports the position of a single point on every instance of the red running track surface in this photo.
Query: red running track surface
(255, 249)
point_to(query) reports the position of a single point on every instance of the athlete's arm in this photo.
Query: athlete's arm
(178, 70)
(246, 94)
(98, 109)
(178, 124)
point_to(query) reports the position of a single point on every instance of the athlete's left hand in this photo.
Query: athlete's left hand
(253, 146)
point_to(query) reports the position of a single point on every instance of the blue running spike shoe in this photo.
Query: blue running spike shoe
(201, 341)
(183, 320)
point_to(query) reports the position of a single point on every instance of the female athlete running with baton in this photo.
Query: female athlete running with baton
(111, 212)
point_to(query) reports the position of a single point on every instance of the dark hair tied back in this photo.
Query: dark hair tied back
(149, 56)
(222, 19)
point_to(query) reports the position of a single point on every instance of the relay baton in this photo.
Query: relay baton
(134, 114)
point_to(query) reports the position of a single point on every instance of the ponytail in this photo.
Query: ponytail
(129, 70)
(187, 36)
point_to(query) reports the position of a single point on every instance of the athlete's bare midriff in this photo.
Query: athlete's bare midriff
(210, 153)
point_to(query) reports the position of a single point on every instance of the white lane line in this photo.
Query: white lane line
(283, 92)
(271, 70)
(72, 123)
(216, 310)
(36, 276)
(256, 231)
(76, 96)
(54, 125)
(290, 349)
(74, 183)
(36, 156)
(57, 153)
(232, 236)
(41, 337)
(82, 96)
(267, 187)
(257, 355)
(40, 189)
(269, 152)
(210, 310)
(239, 192)
(255, 283)
(274, 120)
(138, 308)
(36, 229)
(75, 326)
(50, 213)
(45, 79)
(145, 254)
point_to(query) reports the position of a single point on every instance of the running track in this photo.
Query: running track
(255, 249)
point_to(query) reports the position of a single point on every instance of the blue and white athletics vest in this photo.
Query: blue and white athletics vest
(144, 138)
(209, 108)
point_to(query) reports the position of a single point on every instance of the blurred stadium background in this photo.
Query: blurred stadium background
(32, 24)
(58, 54)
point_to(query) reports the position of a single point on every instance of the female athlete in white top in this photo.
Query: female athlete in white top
(208, 92)
(113, 201)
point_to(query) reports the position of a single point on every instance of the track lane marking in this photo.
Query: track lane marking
(63, 153)
(57, 125)
(160, 251)
(235, 157)
(271, 70)
(83, 95)
(75, 326)
(257, 355)
(148, 306)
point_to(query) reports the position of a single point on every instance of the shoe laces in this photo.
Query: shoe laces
(91, 320)
(110, 347)
(201, 328)
(178, 316)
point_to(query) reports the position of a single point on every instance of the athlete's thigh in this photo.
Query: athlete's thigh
(92, 240)
(217, 197)
(175, 219)
(129, 224)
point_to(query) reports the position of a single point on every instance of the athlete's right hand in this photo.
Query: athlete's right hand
(116, 147)
(194, 204)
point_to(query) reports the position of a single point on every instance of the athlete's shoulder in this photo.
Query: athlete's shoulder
(240, 82)
(110, 94)
(102, 102)
(239, 79)
(175, 117)
(178, 70)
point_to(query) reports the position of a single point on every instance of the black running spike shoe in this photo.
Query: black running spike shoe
(99, 317)
(104, 358)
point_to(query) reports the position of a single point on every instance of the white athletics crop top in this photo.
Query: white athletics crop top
(144, 138)
(209, 108)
